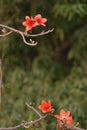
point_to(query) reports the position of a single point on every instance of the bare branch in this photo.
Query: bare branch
(10, 28)
(26, 124)
(32, 43)
(31, 107)
(19, 32)
(74, 128)
(12, 128)
(23, 34)
(33, 122)
(5, 34)
(39, 34)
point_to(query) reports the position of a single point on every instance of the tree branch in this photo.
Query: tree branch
(12, 128)
(5, 34)
(31, 107)
(74, 128)
(39, 34)
(27, 124)
(23, 34)
(33, 122)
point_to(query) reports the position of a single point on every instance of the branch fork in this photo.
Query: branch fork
(22, 34)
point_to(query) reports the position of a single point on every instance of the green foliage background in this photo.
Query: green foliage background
(55, 69)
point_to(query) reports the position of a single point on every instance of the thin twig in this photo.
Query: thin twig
(31, 107)
(5, 34)
(10, 28)
(24, 40)
(23, 34)
(25, 124)
(19, 32)
(31, 123)
(74, 128)
(39, 119)
(39, 34)
(12, 128)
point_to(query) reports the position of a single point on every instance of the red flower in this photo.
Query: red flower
(64, 117)
(45, 106)
(39, 20)
(29, 23)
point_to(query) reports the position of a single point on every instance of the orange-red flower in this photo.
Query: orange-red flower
(32, 22)
(45, 106)
(64, 117)
(39, 20)
(29, 23)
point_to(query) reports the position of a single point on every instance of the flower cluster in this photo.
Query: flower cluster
(34, 21)
(63, 118)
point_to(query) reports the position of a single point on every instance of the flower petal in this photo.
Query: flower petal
(57, 116)
(24, 23)
(62, 112)
(27, 18)
(44, 20)
(28, 28)
(38, 16)
(69, 121)
(67, 114)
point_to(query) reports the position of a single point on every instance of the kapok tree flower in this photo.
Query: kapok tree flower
(45, 106)
(39, 20)
(64, 117)
(29, 23)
